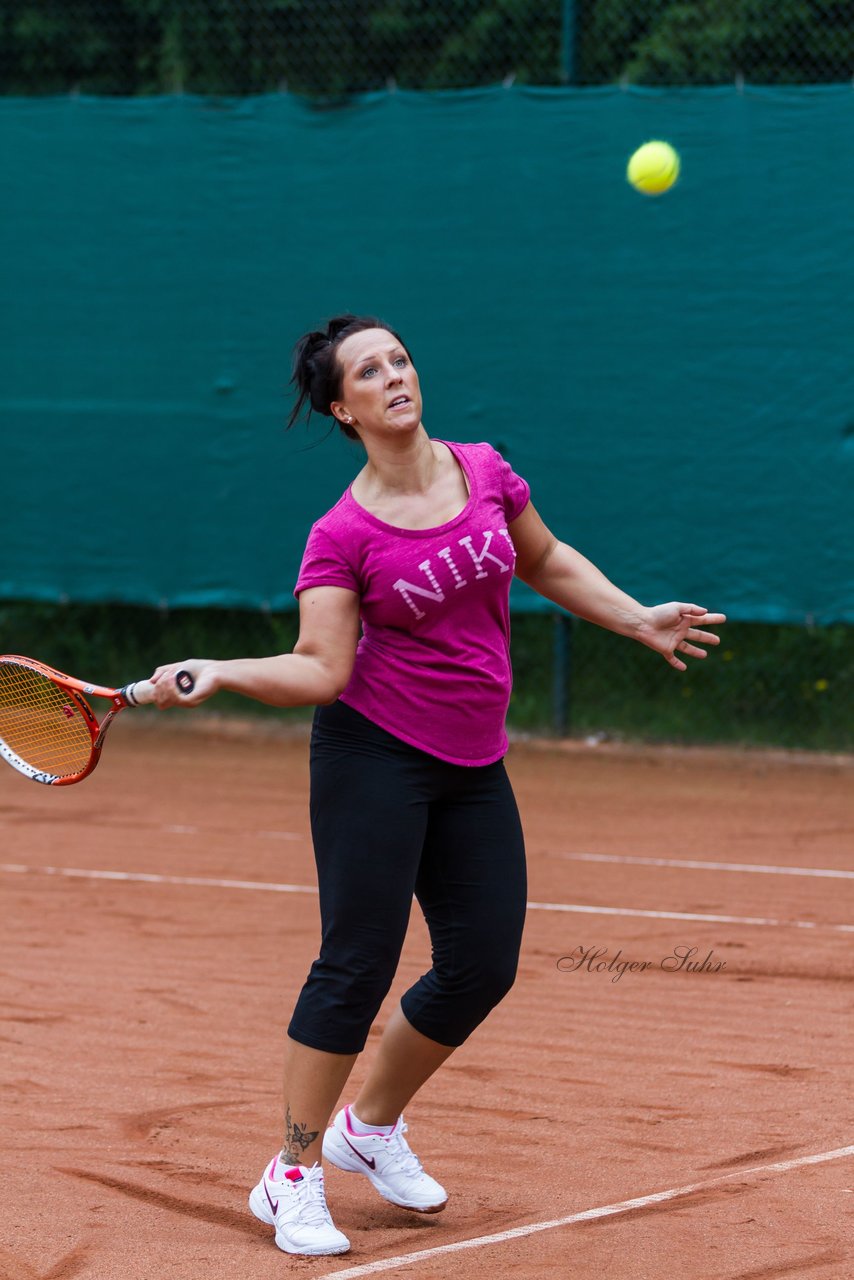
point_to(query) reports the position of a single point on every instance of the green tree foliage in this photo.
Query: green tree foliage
(428, 45)
(329, 48)
(710, 41)
(608, 32)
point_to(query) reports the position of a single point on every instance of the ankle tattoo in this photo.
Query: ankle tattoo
(298, 1138)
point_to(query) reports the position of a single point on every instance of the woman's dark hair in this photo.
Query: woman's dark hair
(316, 373)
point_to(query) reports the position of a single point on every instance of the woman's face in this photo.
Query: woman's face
(379, 385)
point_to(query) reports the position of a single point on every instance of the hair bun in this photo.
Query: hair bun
(338, 324)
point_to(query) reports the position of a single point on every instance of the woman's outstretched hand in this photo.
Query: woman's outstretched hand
(674, 629)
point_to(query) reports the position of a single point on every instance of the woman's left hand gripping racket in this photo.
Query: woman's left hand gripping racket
(48, 731)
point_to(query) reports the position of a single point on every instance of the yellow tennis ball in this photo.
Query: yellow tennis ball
(653, 168)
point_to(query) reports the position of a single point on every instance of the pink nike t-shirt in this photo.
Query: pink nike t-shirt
(433, 663)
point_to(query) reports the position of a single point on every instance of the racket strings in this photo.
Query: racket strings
(41, 723)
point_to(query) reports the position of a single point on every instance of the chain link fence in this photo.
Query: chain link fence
(330, 48)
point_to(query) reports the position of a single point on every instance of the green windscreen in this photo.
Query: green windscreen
(673, 376)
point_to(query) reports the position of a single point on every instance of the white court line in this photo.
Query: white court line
(586, 1215)
(150, 878)
(768, 921)
(263, 886)
(709, 866)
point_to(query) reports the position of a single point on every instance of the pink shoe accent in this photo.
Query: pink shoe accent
(374, 1133)
(293, 1174)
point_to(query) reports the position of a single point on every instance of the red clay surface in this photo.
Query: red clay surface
(142, 1023)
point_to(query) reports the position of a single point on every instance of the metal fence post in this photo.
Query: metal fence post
(561, 673)
(569, 42)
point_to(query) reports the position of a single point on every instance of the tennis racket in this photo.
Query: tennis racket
(48, 731)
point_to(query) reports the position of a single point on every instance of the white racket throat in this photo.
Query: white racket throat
(29, 771)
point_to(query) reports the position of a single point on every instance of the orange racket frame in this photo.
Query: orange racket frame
(60, 719)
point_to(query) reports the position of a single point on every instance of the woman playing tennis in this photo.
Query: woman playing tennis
(404, 649)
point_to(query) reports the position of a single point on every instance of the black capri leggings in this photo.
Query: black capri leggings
(389, 821)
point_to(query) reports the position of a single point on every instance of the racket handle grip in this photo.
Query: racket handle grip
(141, 693)
(138, 694)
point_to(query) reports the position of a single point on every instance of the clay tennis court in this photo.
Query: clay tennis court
(634, 1124)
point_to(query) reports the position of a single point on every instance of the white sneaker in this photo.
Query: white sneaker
(290, 1198)
(386, 1161)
